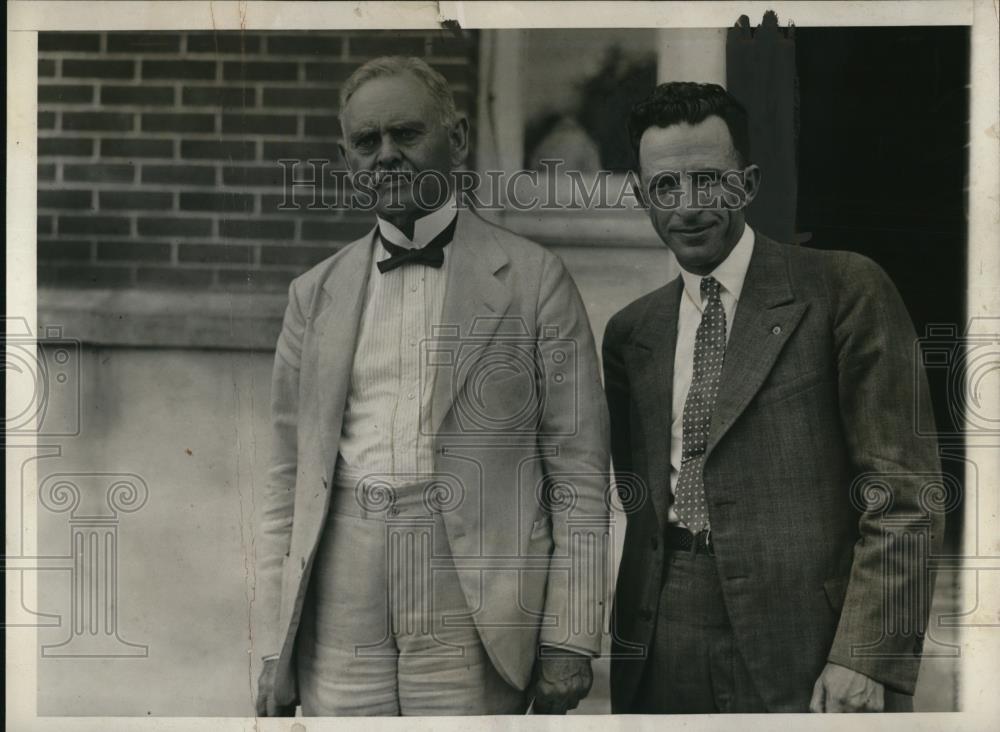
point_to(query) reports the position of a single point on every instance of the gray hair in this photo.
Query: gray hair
(397, 65)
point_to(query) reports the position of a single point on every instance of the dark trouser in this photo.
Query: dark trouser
(694, 666)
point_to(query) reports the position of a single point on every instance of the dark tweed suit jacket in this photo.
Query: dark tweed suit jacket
(816, 411)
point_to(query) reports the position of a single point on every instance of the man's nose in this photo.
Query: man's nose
(685, 196)
(698, 196)
(388, 153)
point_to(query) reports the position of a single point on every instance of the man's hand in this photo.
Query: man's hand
(562, 679)
(839, 689)
(266, 706)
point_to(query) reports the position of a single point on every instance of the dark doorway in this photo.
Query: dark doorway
(883, 170)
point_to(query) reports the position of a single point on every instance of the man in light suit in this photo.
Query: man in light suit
(439, 429)
(766, 400)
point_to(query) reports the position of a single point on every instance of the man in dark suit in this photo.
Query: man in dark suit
(433, 381)
(765, 399)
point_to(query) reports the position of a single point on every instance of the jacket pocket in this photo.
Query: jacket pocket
(540, 540)
(773, 393)
(540, 528)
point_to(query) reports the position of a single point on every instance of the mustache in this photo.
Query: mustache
(378, 176)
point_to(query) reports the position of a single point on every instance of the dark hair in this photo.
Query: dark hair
(687, 101)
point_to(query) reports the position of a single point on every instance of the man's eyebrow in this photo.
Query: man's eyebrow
(370, 129)
(363, 132)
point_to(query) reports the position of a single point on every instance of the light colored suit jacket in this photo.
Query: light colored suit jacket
(520, 430)
(821, 495)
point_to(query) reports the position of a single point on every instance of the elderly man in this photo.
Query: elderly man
(766, 398)
(439, 427)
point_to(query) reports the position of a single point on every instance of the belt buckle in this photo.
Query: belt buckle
(702, 542)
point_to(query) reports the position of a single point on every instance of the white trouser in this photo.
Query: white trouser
(386, 629)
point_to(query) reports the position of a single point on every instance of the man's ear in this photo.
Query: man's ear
(751, 183)
(458, 138)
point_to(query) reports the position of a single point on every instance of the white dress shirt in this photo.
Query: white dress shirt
(381, 433)
(730, 274)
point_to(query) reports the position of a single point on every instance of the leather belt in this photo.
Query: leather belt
(680, 539)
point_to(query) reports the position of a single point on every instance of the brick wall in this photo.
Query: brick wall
(157, 152)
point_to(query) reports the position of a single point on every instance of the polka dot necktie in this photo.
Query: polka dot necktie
(709, 351)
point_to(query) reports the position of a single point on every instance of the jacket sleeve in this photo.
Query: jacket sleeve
(274, 538)
(574, 422)
(881, 388)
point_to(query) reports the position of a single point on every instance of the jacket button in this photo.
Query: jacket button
(654, 543)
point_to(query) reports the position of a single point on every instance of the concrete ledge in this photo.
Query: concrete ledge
(612, 230)
(164, 318)
(599, 242)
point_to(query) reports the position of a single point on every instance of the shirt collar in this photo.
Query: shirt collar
(424, 229)
(730, 274)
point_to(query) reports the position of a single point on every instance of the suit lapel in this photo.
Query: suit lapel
(337, 326)
(766, 317)
(652, 372)
(475, 302)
